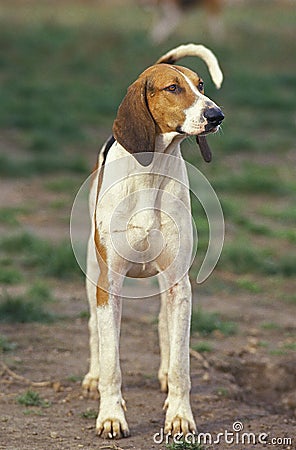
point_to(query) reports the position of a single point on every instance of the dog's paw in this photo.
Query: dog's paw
(111, 423)
(180, 425)
(112, 428)
(90, 386)
(179, 418)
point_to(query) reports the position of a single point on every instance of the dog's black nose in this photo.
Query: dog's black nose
(214, 116)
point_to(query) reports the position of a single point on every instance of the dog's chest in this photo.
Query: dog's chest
(140, 213)
(132, 206)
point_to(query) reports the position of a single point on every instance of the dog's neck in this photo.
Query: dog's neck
(169, 143)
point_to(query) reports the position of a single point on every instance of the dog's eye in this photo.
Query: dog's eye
(171, 88)
(201, 86)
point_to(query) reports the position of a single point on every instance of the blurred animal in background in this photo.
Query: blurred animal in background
(169, 14)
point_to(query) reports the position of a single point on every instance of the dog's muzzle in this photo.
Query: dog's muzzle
(214, 118)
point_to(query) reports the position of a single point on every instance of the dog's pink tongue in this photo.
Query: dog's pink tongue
(204, 148)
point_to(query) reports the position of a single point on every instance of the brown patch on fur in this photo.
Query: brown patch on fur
(94, 174)
(134, 127)
(168, 108)
(101, 252)
(102, 294)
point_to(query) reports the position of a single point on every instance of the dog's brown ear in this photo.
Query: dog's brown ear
(134, 127)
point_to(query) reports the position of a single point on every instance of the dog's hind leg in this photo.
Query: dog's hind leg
(90, 381)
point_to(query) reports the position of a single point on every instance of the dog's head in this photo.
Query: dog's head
(167, 98)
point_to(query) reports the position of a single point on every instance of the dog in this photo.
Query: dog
(135, 191)
(170, 12)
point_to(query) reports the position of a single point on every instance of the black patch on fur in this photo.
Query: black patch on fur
(108, 145)
(170, 60)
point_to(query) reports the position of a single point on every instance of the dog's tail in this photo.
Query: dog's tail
(195, 50)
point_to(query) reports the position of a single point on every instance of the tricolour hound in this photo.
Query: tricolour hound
(128, 206)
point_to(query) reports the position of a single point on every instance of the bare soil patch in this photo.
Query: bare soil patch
(237, 381)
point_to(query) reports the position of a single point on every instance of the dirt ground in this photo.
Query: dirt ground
(239, 380)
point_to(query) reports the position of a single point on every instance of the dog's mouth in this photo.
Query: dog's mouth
(204, 148)
(203, 144)
(214, 117)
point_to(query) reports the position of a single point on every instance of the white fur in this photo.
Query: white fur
(195, 122)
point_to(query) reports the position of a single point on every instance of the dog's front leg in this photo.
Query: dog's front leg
(164, 341)
(179, 418)
(111, 421)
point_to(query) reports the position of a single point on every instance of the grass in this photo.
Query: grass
(19, 310)
(29, 253)
(6, 345)
(244, 258)
(256, 179)
(270, 326)
(184, 446)
(222, 392)
(289, 346)
(40, 292)
(10, 276)
(89, 414)
(234, 213)
(26, 308)
(249, 285)
(290, 298)
(32, 398)
(65, 184)
(55, 260)
(9, 215)
(284, 215)
(64, 89)
(74, 378)
(206, 323)
(203, 347)
(58, 205)
(61, 93)
(84, 314)
(45, 164)
(284, 349)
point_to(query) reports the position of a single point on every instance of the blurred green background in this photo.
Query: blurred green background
(65, 67)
